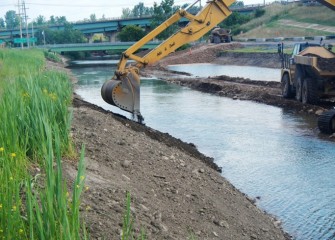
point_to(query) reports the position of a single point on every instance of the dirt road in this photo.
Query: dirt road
(176, 192)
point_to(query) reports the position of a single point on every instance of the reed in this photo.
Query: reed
(35, 125)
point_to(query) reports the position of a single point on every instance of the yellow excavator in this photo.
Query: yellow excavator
(328, 3)
(123, 90)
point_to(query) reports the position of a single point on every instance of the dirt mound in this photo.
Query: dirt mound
(202, 53)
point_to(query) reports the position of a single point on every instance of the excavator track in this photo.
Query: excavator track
(326, 122)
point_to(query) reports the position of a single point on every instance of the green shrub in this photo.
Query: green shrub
(259, 12)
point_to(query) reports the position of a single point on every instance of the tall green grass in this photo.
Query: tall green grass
(53, 213)
(35, 124)
(128, 224)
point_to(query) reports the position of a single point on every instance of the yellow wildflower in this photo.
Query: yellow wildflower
(0, 205)
(14, 208)
(21, 231)
(88, 208)
(82, 178)
(25, 95)
(1, 231)
(13, 155)
(87, 188)
(11, 178)
(53, 96)
(45, 91)
(2, 149)
(77, 186)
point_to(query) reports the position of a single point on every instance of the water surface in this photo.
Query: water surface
(210, 69)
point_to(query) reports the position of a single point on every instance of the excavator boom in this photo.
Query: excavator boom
(328, 3)
(123, 90)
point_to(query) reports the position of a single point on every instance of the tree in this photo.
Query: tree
(140, 10)
(237, 4)
(93, 18)
(40, 21)
(12, 20)
(61, 20)
(52, 20)
(126, 13)
(2, 23)
(193, 10)
(131, 33)
(161, 13)
(234, 21)
(68, 35)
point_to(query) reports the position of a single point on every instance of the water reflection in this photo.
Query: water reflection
(264, 151)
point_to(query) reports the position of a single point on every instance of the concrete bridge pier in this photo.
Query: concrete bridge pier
(111, 36)
(89, 37)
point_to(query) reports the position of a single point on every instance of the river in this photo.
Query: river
(266, 152)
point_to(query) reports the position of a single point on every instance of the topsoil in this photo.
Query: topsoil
(176, 191)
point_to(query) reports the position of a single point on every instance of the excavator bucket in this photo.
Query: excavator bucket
(124, 92)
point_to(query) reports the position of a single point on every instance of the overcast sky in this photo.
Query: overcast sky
(78, 10)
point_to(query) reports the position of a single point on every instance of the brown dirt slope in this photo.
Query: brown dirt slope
(176, 193)
(202, 53)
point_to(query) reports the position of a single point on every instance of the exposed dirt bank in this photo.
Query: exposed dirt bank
(176, 191)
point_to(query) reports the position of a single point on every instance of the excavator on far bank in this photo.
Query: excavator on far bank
(123, 90)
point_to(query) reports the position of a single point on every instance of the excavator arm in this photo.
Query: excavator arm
(123, 90)
(328, 3)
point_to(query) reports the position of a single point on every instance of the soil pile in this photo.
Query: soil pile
(201, 53)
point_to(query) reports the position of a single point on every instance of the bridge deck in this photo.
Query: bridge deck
(96, 46)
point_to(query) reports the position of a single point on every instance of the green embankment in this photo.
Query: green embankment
(271, 23)
(34, 135)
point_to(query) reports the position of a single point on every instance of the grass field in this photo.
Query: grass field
(269, 24)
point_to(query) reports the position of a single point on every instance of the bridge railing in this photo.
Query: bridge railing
(96, 44)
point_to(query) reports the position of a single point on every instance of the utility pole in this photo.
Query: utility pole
(19, 5)
(26, 21)
(43, 33)
(32, 32)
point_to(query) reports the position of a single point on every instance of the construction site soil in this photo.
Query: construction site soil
(176, 192)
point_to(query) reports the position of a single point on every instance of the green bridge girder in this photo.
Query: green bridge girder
(82, 47)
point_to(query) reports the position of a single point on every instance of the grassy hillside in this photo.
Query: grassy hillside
(272, 24)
